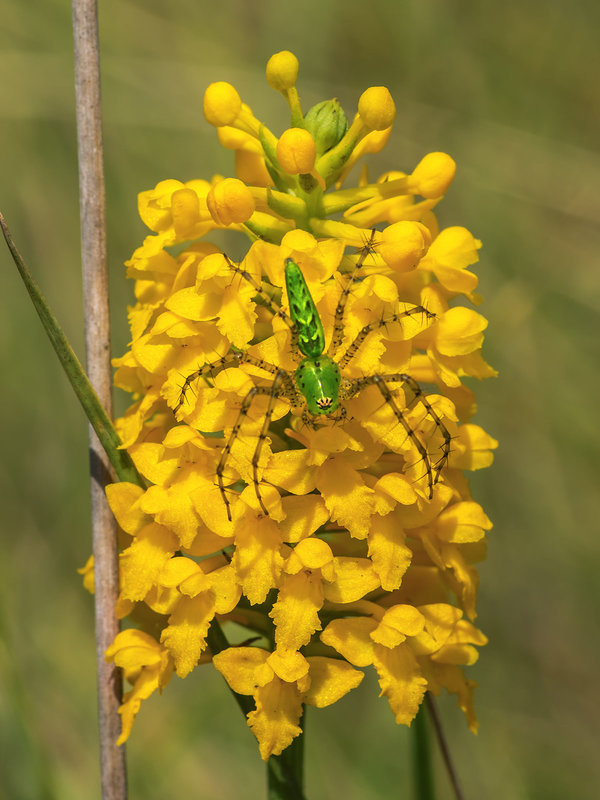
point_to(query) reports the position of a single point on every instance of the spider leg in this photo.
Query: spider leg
(229, 360)
(381, 323)
(338, 325)
(282, 386)
(273, 307)
(381, 381)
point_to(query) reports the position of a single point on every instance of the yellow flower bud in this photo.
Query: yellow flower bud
(230, 202)
(282, 70)
(296, 151)
(376, 108)
(433, 175)
(185, 210)
(404, 244)
(222, 104)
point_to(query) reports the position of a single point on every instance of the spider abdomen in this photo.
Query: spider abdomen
(318, 379)
(303, 311)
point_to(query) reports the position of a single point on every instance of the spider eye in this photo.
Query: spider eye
(324, 402)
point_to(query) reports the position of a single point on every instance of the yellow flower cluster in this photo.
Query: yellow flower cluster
(338, 541)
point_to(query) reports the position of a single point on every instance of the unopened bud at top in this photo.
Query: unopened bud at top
(282, 70)
(327, 123)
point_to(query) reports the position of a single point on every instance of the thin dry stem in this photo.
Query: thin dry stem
(443, 743)
(97, 335)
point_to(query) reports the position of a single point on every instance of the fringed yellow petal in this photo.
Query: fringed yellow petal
(296, 612)
(257, 559)
(401, 681)
(349, 500)
(388, 551)
(185, 635)
(275, 720)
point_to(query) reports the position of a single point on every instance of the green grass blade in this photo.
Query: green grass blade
(99, 419)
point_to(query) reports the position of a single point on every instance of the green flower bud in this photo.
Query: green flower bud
(327, 123)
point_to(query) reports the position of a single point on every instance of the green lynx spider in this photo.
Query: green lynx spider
(317, 384)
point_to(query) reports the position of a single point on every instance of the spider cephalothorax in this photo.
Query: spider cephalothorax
(318, 385)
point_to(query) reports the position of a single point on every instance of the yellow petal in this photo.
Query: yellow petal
(122, 499)
(257, 559)
(460, 331)
(296, 612)
(462, 522)
(453, 679)
(142, 562)
(349, 501)
(313, 553)
(401, 681)
(290, 470)
(304, 515)
(288, 665)
(388, 550)
(440, 619)
(184, 636)
(173, 507)
(354, 578)
(238, 666)
(352, 639)
(275, 720)
(397, 486)
(398, 622)
(224, 584)
(330, 679)
(151, 460)
(473, 448)
(458, 654)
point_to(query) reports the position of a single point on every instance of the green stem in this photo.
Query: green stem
(99, 419)
(422, 766)
(285, 773)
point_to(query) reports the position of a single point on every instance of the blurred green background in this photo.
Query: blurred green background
(510, 91)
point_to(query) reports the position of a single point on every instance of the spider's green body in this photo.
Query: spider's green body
(317, 376)
(318, 382)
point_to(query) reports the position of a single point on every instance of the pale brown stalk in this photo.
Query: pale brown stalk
(97, 337)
